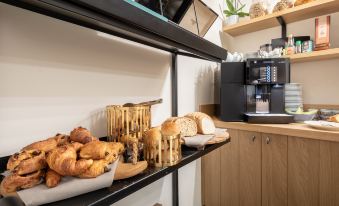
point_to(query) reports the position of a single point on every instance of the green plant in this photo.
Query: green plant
(233, 8)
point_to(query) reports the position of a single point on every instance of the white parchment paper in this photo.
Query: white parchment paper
(199, 141)
(68, 187)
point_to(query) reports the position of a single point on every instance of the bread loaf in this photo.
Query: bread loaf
(169, 129)
(204, 122)
(187, 126)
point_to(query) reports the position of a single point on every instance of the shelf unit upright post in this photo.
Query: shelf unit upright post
(120, 19)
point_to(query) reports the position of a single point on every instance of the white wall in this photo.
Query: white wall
(55, 76)
(318, 78)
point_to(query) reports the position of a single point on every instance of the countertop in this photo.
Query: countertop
(294, 129)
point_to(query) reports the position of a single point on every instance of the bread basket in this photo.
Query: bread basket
(163, 152)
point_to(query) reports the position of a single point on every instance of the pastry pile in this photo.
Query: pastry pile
(79, 154)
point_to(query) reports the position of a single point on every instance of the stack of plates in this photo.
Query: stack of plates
(293, 96)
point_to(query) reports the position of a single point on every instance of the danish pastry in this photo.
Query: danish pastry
(52, 178)
(64, 161)
(82, 135)
(15, 182)
(27, 161)
(97, 150)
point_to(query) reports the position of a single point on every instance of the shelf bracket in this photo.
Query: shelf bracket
(283, 26)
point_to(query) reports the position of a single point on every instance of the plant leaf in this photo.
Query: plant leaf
(230, 6)
(241, 8)
(243, 14)
(228, 13)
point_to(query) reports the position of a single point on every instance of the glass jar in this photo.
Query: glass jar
(258, 8)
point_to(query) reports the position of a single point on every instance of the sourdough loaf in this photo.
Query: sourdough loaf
(204, 122)
(187, 126)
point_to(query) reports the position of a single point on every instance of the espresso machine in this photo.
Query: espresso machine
(257, 94)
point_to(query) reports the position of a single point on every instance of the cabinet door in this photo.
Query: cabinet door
(329, 173)
(303, 172)
(274, 170)
(249, 168)
(230, 171)
(211, 178)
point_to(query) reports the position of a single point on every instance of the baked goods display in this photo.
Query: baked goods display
(80, 155)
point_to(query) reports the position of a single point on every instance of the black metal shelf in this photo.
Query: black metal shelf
(122, 188)
(123, 20)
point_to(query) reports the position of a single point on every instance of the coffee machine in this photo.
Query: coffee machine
(257, 94)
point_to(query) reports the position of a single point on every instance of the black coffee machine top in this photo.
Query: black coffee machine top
(259, 95)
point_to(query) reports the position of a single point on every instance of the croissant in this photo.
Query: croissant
(15, 182)
(82, 135)
(98, 168)
(63, 160)
(52, 178)
(115, 149)
(27, 162)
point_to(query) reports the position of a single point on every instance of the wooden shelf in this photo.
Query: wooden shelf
(298, 13)
(315, 56)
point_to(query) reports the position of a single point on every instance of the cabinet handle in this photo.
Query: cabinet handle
(268, 140)
(253, 138)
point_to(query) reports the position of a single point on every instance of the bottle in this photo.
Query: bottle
(298, 47)
(290, 45)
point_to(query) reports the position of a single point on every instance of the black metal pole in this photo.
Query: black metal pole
(174, 81)
(283, 27)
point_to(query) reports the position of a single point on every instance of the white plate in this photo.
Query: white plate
(324, 125)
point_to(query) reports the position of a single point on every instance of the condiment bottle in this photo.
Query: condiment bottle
(298, 47)
(290, 45)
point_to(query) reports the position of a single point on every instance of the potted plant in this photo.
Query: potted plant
(234, 11)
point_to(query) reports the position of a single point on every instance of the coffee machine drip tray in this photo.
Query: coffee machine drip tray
(268, 118)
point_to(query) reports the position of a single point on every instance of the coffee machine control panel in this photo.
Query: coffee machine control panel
(267, 74)
(267, 71)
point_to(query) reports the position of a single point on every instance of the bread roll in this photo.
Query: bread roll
(187, 126)
(170, 129)
(204, 122)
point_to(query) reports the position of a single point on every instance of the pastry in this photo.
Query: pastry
(188, 127)
(82, 135)
(15, 182)
(62, 139)
(115, 149)
(52, 178)
(95, 150)
(334, 118)
(44, 145)
(204, 122)
(98, 150)
(98, 168)
(26, 162)
(170, 129)
(64, 161)
(280, 6)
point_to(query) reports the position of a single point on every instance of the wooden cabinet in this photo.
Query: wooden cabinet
(329, 174)
(249, 168)
(211, 178)
(303, 172)
(274, 170)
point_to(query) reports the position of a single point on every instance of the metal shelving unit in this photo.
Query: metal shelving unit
(118, 18)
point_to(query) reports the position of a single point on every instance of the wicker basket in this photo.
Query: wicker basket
(127, 125)
(164, 152)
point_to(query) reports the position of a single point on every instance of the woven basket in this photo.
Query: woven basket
(164, 152)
